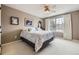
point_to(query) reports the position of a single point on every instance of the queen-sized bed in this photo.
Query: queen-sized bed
(38, 39)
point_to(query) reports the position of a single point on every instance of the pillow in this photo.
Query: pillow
(28, 29)
(39, 29)
(25, 29)
(33, 29)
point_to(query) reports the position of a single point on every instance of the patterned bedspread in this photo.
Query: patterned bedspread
(37, 37)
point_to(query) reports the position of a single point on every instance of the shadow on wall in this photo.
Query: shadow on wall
(11, 36)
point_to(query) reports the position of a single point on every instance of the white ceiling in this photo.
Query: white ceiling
(37, 9)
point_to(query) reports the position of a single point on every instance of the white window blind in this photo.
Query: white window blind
(57, 24)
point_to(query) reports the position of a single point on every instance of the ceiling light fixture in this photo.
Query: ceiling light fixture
(47, 8)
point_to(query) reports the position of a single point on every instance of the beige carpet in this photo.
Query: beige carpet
(56, 47)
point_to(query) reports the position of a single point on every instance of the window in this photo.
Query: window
(57, 24)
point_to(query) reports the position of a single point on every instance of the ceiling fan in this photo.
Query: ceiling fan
(46, 8)
(49, 8)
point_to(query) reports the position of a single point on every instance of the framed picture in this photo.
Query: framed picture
(28, 22)
(14, 20)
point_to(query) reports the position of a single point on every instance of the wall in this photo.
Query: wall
(10, 32)
(75, 25)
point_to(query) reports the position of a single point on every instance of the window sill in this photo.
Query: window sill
(60, 31)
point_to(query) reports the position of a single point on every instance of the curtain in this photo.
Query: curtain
(67, 27)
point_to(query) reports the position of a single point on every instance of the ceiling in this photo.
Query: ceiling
(37, 9)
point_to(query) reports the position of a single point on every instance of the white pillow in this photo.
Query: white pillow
(33, 29)
(30, 29)
(25, 29)
(39, 29)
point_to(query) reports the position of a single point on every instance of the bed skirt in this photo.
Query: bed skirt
(33, 45)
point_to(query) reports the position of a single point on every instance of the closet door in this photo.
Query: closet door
(67, 27)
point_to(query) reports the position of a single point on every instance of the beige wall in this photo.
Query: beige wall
(9, 32)
(75, 25)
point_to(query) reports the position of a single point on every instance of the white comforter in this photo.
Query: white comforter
(37, 37)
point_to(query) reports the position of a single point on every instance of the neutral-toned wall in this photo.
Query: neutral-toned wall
(75, 25)
(9, 32)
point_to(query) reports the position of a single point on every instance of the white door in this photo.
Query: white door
(67, 27)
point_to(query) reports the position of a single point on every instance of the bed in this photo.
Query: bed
(38, 39)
